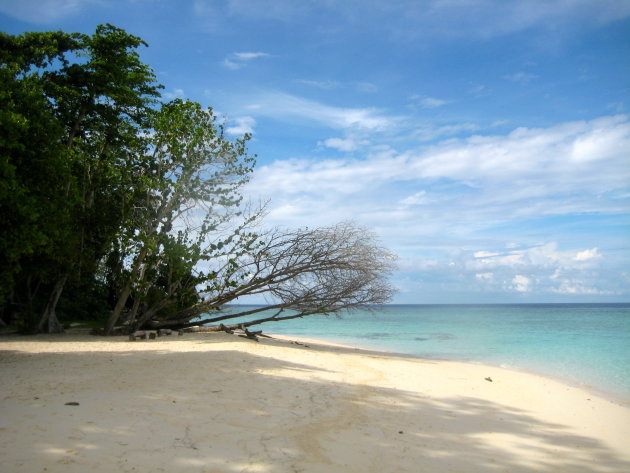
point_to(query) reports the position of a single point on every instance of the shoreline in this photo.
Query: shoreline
(215, 402)
(594, 390)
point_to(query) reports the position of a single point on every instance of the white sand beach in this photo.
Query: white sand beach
(213, 402)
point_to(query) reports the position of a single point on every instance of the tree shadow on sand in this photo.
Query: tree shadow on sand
(230, 411)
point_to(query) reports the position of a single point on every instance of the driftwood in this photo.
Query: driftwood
(226, 329)
(250, 335)
(164, 331)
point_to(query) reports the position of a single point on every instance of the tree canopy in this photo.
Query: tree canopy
(125, 210)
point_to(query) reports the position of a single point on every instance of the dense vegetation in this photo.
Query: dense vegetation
(124, 210)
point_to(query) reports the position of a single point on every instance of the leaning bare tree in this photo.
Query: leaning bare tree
(301, 272)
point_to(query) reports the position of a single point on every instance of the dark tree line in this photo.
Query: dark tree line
(119, 208)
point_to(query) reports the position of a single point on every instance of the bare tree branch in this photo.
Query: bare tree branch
(320, 271)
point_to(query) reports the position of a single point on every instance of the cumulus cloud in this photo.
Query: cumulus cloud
(521, 283)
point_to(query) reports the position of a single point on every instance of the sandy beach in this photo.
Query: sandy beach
(219, 403)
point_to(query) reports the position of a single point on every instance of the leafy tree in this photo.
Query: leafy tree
(74, 110)
(191, 184)
(115, 204)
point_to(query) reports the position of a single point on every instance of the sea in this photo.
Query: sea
(582, 344)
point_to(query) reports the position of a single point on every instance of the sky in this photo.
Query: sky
(485, 142)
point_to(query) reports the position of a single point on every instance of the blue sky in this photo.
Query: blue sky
(486, 142)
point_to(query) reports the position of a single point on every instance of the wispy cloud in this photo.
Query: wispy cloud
(428, 102)
(451, 197)
(321, 84)
(343, 144)
(237, 61)
(283, 106)
(44, 11)
(521, 77)
(436, 18)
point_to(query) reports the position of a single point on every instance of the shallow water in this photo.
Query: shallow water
(586, 344)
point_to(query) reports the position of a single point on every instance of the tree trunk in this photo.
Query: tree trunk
(49, 322)
(115, 315)
(124, 294)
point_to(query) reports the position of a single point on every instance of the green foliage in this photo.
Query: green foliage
(117, 207)
(72, 111)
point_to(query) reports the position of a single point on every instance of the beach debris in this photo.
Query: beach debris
(301, 344)
(488, 379)
(72, 403)
(137, 335)
(401, 432)
(164, 331)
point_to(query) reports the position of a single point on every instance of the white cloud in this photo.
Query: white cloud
(249, 56)
(521, 283)
(526, 173)
(573, 287)
(341, 144)
(485, 276)
(438, 200)
(288, 107)
(587, 255)
(485, 254)
(431, 102)
(419, 198)
(176, 93)
(241, 126)
(237, 61)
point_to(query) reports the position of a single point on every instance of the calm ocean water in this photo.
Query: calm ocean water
(586, 344)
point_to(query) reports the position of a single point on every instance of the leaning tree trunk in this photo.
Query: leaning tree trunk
(49, 322)
(115, 315)
(136, 271)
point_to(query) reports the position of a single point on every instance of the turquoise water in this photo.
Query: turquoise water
(586, 344)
